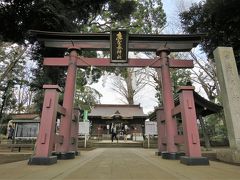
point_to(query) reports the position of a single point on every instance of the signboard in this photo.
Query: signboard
(151, 128)
(119, 46)
(28, 130)
(84, 128)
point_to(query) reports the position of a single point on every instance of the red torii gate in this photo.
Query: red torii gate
(65, 142)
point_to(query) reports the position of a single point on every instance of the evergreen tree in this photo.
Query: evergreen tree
(18, 17)
(220, 21)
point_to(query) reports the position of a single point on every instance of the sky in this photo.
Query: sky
(146, 97)
(172, 9)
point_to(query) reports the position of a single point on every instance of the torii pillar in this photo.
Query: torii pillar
(161, 131)
(66, 149)
(168, 104)
(46, 137)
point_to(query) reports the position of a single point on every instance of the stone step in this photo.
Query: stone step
(153, 143)
(120, 145)
(109, 144)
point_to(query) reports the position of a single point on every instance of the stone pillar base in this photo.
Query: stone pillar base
(42, 160)
(229, 156)
(77, 153)
(158, 153)
(194, 160)
(67, 155)
(173, 156)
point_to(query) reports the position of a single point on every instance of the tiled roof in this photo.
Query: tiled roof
(109, 110)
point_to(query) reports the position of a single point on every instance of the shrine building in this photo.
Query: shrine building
(128, 117)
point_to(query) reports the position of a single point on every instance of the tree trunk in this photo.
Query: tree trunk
(129, 87)
(205, 134)
(159, 82)
(3, 105)
(30, 96)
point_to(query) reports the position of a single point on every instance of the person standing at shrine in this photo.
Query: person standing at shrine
(125, 128)
(10, 132)
(114, 132)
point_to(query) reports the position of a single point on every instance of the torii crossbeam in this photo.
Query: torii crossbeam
(105, 62)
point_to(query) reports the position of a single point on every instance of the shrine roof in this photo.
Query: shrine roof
(108, 111)
(56, 42)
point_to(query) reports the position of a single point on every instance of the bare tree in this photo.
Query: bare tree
(129, 85)
(204, 74)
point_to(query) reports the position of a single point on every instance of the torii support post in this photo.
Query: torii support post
(65, 148)
(74, 131)
(190, 130)
(46, 137)
(168, 105)
(161, 125)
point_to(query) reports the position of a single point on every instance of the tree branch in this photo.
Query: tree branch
(12, 64)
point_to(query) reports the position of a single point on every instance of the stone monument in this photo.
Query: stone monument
(230, 92)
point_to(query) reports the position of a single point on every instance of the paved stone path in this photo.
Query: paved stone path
(119, 163)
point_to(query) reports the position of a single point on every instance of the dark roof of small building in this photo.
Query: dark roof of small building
(24, 116)
(108, 111)
(203, 106)
(26, 121)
